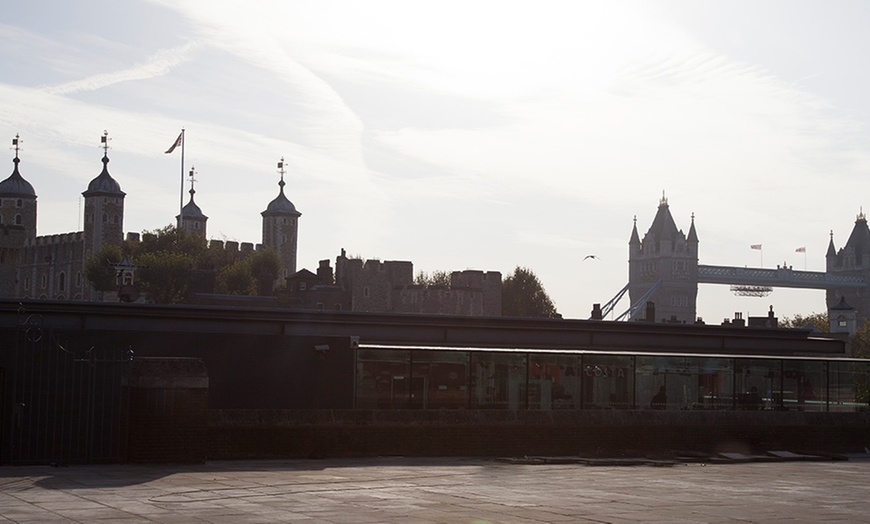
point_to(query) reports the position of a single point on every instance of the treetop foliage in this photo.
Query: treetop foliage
(436, 278)
(818, 320)
(164, 258)
(523, 295)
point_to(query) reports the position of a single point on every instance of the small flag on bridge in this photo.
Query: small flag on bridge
(801, 250)
(755, 246)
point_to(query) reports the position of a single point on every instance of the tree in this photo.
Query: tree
(100, 270)
(170, 239)
(523, 295)
(265, 266)
(819, 320)
(164, 276)
(235, 279)
(436, 278)
(860, 341)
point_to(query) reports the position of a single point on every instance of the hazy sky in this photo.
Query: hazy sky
(458, 135)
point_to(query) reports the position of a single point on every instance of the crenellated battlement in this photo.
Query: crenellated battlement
(60, 238)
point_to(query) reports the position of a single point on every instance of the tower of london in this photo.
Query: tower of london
(51, 266)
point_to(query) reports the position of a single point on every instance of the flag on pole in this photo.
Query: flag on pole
(801, 250)
(755, 246)
(176, 143)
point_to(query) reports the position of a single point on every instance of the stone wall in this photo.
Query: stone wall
(240, 434)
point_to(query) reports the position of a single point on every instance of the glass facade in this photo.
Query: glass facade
(410, 378)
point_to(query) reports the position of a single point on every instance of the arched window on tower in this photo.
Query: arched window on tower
(61, 281)
(17, 220)
(105, 218)
(19, 203)
(115, 219)
(44, 281)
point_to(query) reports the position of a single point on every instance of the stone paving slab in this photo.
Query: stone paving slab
(432, 490)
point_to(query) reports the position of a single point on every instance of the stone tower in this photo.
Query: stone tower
(104, 209)
(281, 227)
(668, 256)
(17, 224)
(852, 260)
(191, 218)
(18, 199)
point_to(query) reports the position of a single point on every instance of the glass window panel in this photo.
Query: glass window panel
(498, 380)
(553, 382)
(850, 386)
(684, 383)
(804, 386)
(758, 384)
(439, 379)
(608, 382)
(382, 378)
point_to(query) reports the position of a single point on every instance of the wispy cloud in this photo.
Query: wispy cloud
(158, 64)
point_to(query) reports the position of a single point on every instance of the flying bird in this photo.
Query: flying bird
(590, 256)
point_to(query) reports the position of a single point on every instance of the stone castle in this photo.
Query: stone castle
(50, 266)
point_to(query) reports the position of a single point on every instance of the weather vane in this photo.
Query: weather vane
(15, 146)
(191, 174)
(104, 142)
(281, 169)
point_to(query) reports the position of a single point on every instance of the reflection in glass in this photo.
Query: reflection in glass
(758, 384)
(553, 382)
(499, 380)
(804, 385)
(382, 378)
(439, 379)
(608, 382)
(675, 382)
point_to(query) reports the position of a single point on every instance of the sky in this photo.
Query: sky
(460, 135)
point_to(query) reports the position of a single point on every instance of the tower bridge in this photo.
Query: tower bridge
(664, 274)
(779, 277)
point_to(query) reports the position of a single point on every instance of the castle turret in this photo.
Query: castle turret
(667, 258)
(18, 199)
(852, 260)
(831, 254)
(191, 218)
(104, 208)
(281, 226)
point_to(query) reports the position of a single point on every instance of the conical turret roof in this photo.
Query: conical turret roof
(15, 186)
(281, 206)
(663, 226)
(859, 239)
(191, 210)
(104, 184)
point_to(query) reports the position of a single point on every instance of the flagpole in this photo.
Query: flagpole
(181, 192)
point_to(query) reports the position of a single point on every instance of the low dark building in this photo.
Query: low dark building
(283, 383)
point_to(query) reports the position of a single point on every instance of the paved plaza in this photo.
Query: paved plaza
(427, 490)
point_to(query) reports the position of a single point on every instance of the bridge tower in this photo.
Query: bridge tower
(853, 259)
(667, 256)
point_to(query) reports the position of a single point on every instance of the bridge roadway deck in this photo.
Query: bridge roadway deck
(779, 277)
(438, 490)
